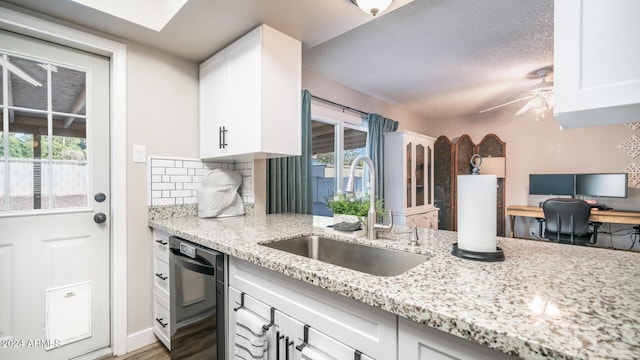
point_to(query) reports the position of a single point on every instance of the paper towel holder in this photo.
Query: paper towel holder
(489, 256)
(496, 256)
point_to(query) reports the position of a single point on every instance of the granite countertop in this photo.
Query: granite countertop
(545, 300)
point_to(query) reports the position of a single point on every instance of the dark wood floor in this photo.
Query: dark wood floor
(155, 351)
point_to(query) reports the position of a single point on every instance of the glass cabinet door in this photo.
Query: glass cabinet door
(409, 175)
(420, 175)
(429, 175)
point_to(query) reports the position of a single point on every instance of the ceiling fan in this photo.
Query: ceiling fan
(540, 97)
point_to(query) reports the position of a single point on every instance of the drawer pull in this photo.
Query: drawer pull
(162, 242)
(162, 277)
(164, 325)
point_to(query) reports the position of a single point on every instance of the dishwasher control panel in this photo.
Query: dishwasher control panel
(187, 250)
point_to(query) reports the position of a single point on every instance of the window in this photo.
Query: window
(337, 139)
(43, 147)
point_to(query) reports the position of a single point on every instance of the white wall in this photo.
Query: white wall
(336, 92)
(162, 113)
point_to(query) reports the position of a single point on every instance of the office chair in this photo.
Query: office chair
(567, 221)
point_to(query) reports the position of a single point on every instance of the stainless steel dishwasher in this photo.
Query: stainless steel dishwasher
(197, 312)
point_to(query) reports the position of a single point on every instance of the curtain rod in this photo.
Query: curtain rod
(329, 102)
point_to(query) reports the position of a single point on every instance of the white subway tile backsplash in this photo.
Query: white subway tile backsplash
(176, 171)
(163, 186)
(181, 178)
(191, 186)
(164, 201)
(181, 193)
(162, 163)
(193, 164)
(174, 181)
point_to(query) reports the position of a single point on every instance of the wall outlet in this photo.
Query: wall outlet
(532, 231)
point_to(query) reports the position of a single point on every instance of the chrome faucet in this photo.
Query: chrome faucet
(372, 225)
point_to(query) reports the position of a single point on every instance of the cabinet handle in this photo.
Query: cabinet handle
(164, 325)
(162, 277)
(161, 242)
(222, 137)
(278, 338)
(287, 344)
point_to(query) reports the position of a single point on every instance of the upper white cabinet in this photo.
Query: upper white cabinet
(408, 179)
(597, 62)
(250, 99)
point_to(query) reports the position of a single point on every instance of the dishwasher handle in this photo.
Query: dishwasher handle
(198, 265)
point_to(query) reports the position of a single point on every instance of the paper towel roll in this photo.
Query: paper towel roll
(477, 212)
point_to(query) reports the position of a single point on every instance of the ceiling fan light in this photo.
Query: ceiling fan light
(372, 7)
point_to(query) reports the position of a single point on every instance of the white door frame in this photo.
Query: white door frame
(47, 30)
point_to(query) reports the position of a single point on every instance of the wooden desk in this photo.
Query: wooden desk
(604, 216)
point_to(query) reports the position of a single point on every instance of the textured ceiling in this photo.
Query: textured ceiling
(438, 58)
(444, 58)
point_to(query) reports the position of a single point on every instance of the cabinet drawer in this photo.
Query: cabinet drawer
(161, 241)
(161, 275)
(161, 323)
(323, 343)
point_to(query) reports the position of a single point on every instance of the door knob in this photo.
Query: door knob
(99, 218)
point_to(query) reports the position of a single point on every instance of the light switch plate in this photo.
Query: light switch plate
(139, 153)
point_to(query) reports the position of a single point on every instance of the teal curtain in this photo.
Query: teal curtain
(378, 125)
(289, 178)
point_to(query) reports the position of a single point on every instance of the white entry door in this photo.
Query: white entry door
(54, 200)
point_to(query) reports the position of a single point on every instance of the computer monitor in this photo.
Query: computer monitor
(551, 184)
(613, 185)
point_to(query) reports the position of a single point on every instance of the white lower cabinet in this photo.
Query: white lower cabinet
(420, 342)
(161, 299)
(337, 326)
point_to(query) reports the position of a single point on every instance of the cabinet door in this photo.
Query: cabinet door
(408, 161)
(214, 98)
(245, 100)
(420, 342)
(263, 311)
(596, 57)
(419, 165)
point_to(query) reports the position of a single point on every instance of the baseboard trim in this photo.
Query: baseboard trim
(140, 339)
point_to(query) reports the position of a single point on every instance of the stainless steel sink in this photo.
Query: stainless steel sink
(368, 259)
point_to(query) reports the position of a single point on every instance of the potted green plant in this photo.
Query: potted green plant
(351, 207)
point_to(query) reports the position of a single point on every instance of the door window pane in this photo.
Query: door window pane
(69, 185)
(27, 134)
(355, 142)
(27, 83)
(69, 96)
(328, 139)
(420, 175)
(323, 165)
(409, 171)
(28, 185)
